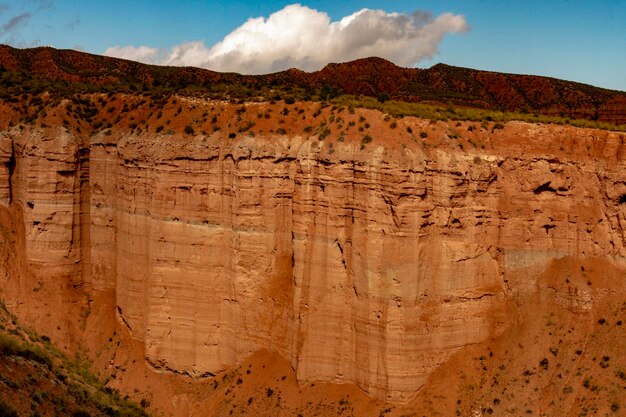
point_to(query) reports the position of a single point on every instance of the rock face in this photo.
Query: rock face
(366, 264)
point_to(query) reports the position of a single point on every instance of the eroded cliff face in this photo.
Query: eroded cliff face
(359, 262)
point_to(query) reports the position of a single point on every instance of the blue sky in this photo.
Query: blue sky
(570, 39)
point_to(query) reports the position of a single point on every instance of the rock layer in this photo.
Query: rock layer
(368, 264)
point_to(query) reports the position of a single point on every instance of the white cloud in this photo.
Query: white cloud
(136, 53)
(297, 36)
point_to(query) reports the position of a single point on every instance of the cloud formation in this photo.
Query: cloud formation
(15, 22)
(15, 16)
(301, 37)
(74, 23)
(144, 54)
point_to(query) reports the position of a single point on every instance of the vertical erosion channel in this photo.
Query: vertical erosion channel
(11, 168)
(81, 239)
(85, 215)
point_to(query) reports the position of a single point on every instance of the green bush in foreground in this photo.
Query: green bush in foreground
(7, 411)
(73, 376)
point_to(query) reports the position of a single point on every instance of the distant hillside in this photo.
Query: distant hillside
(69, 71)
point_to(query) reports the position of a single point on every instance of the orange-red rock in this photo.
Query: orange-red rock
(370, 264)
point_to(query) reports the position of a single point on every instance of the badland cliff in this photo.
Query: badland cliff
(358, 247)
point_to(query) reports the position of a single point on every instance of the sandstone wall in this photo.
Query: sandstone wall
(368, 264)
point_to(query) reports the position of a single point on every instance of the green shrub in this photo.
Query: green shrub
(323, 132)
(365, 140)
(9, 346)
(249, 125)
(6, 410)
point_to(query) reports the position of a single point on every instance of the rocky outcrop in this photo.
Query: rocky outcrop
(366, 264)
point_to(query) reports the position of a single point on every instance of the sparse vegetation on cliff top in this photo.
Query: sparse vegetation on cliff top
(438, 112)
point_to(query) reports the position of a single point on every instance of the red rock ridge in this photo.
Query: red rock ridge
(369, 76)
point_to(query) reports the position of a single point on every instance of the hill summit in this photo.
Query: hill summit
(373, 77)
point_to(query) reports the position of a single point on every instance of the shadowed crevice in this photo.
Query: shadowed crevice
(544, 188)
